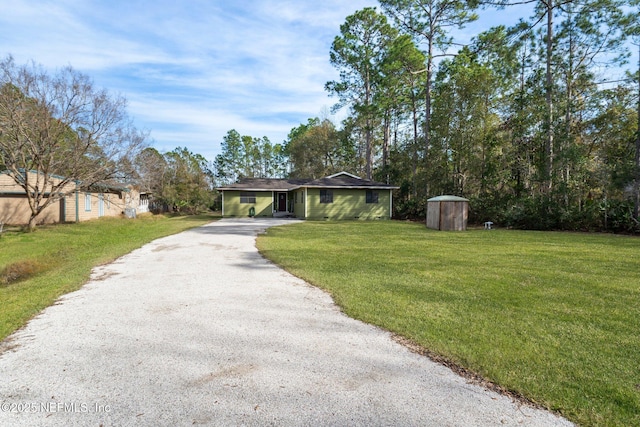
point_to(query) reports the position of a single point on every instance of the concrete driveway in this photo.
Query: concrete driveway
(197, 328)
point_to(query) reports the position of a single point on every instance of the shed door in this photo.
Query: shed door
(282, 202)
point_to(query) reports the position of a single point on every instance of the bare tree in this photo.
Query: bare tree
(58, 132)
(151, 168)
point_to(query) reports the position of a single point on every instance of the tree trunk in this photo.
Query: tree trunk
(368, 128)
(636, 184)
(414, 151)
(427, 114)
(519, 137)
(568, 139)
(548, 149)
(386, 140)
(32, 223)
(427, 118)
(369, 149)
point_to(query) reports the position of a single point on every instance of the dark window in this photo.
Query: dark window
(372, 196)
(326, 196)
(247, 197)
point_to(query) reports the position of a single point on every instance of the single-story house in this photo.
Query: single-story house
(79, 204)
(338, 196)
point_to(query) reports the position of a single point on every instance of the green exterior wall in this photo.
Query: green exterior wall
(298, 203)
(348, 204)
(233, 207)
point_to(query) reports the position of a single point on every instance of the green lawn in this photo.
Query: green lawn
(554, 317)
(37, 268)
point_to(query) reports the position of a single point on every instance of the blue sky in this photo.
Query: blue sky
(194, 69)
(191, 70)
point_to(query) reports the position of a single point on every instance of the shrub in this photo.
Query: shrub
(20, 270)
(413, 209)
(618, 217)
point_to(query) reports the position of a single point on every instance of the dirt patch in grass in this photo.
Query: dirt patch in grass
(21, 270)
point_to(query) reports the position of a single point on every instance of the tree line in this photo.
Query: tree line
(525, 121)
(534, 123)
(75, 135)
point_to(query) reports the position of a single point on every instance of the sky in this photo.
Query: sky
(192, 70)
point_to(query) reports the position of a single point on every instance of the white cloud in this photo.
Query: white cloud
(191, 70)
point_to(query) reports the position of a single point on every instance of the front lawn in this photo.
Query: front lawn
(554, 317)
(37, 268)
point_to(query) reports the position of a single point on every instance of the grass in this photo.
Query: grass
(37, 268)
(553, 317)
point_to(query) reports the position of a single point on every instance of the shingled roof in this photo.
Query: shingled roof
(339, 180)
(262, 184)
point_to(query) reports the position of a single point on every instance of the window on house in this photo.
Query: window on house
(87, 202)
(247, 197)
(372, 196)
(326, 196)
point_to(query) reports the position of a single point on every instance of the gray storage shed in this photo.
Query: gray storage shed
(447, 213)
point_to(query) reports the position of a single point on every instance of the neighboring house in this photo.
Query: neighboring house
(339, 196)
(81, 204)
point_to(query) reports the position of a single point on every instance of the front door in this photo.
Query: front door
(282, 202)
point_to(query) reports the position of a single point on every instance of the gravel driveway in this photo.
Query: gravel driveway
(197, 328)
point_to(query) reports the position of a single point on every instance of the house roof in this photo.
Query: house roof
(264, 184)
(347, 181)
(103, 186)
(339, 180)
(51, 175)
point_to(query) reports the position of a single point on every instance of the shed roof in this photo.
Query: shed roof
(447, 199)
